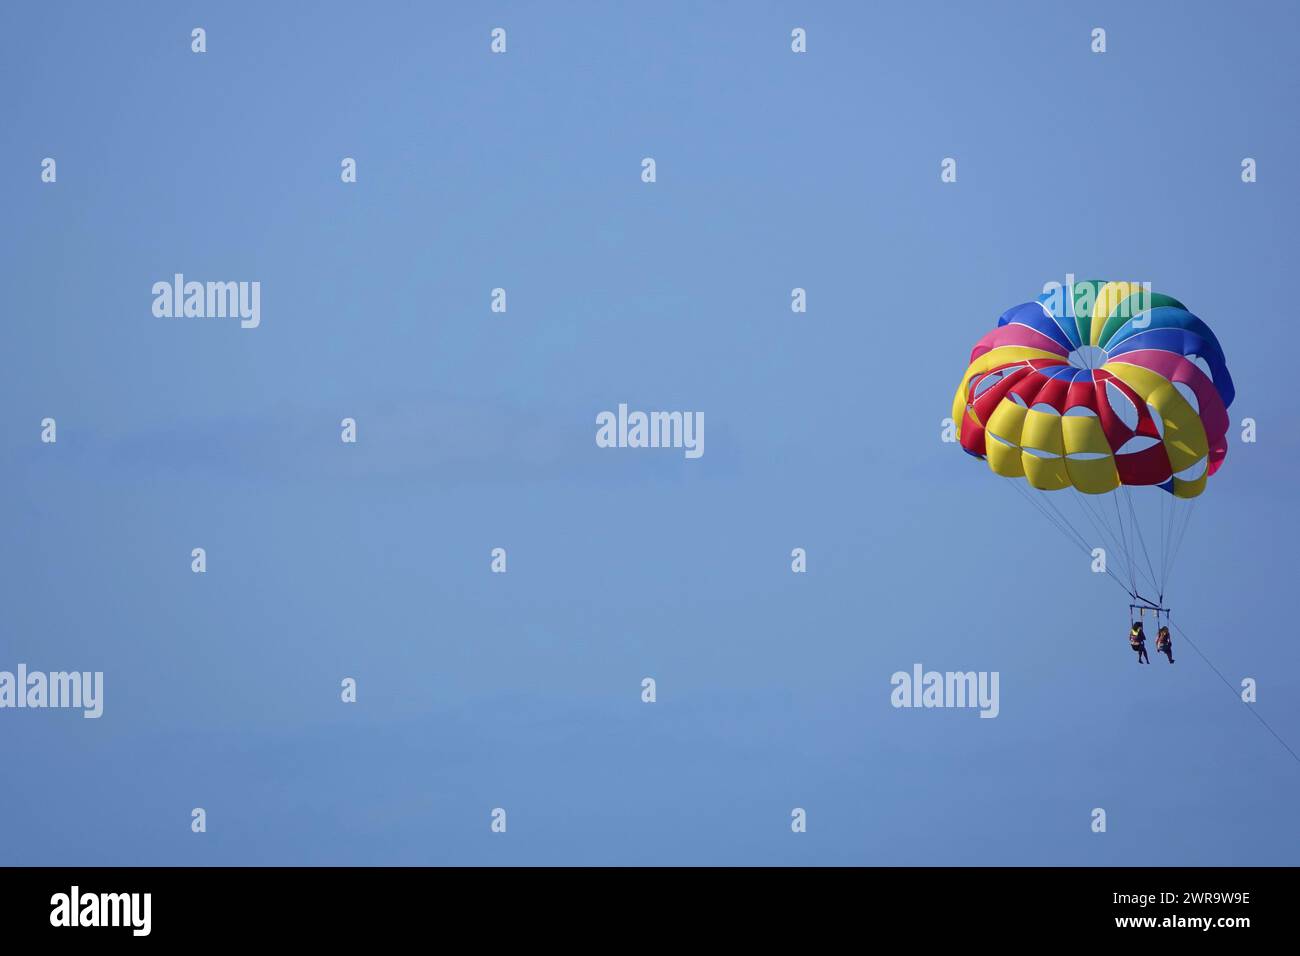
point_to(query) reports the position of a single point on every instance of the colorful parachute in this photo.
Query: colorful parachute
(1133, 390)
(1100, 387)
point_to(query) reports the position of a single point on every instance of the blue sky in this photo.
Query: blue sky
(477, 430)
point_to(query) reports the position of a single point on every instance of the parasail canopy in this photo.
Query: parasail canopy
(1102, 388)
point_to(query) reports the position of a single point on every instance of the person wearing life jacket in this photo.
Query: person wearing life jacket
(1165, 644)
(1137, 639)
